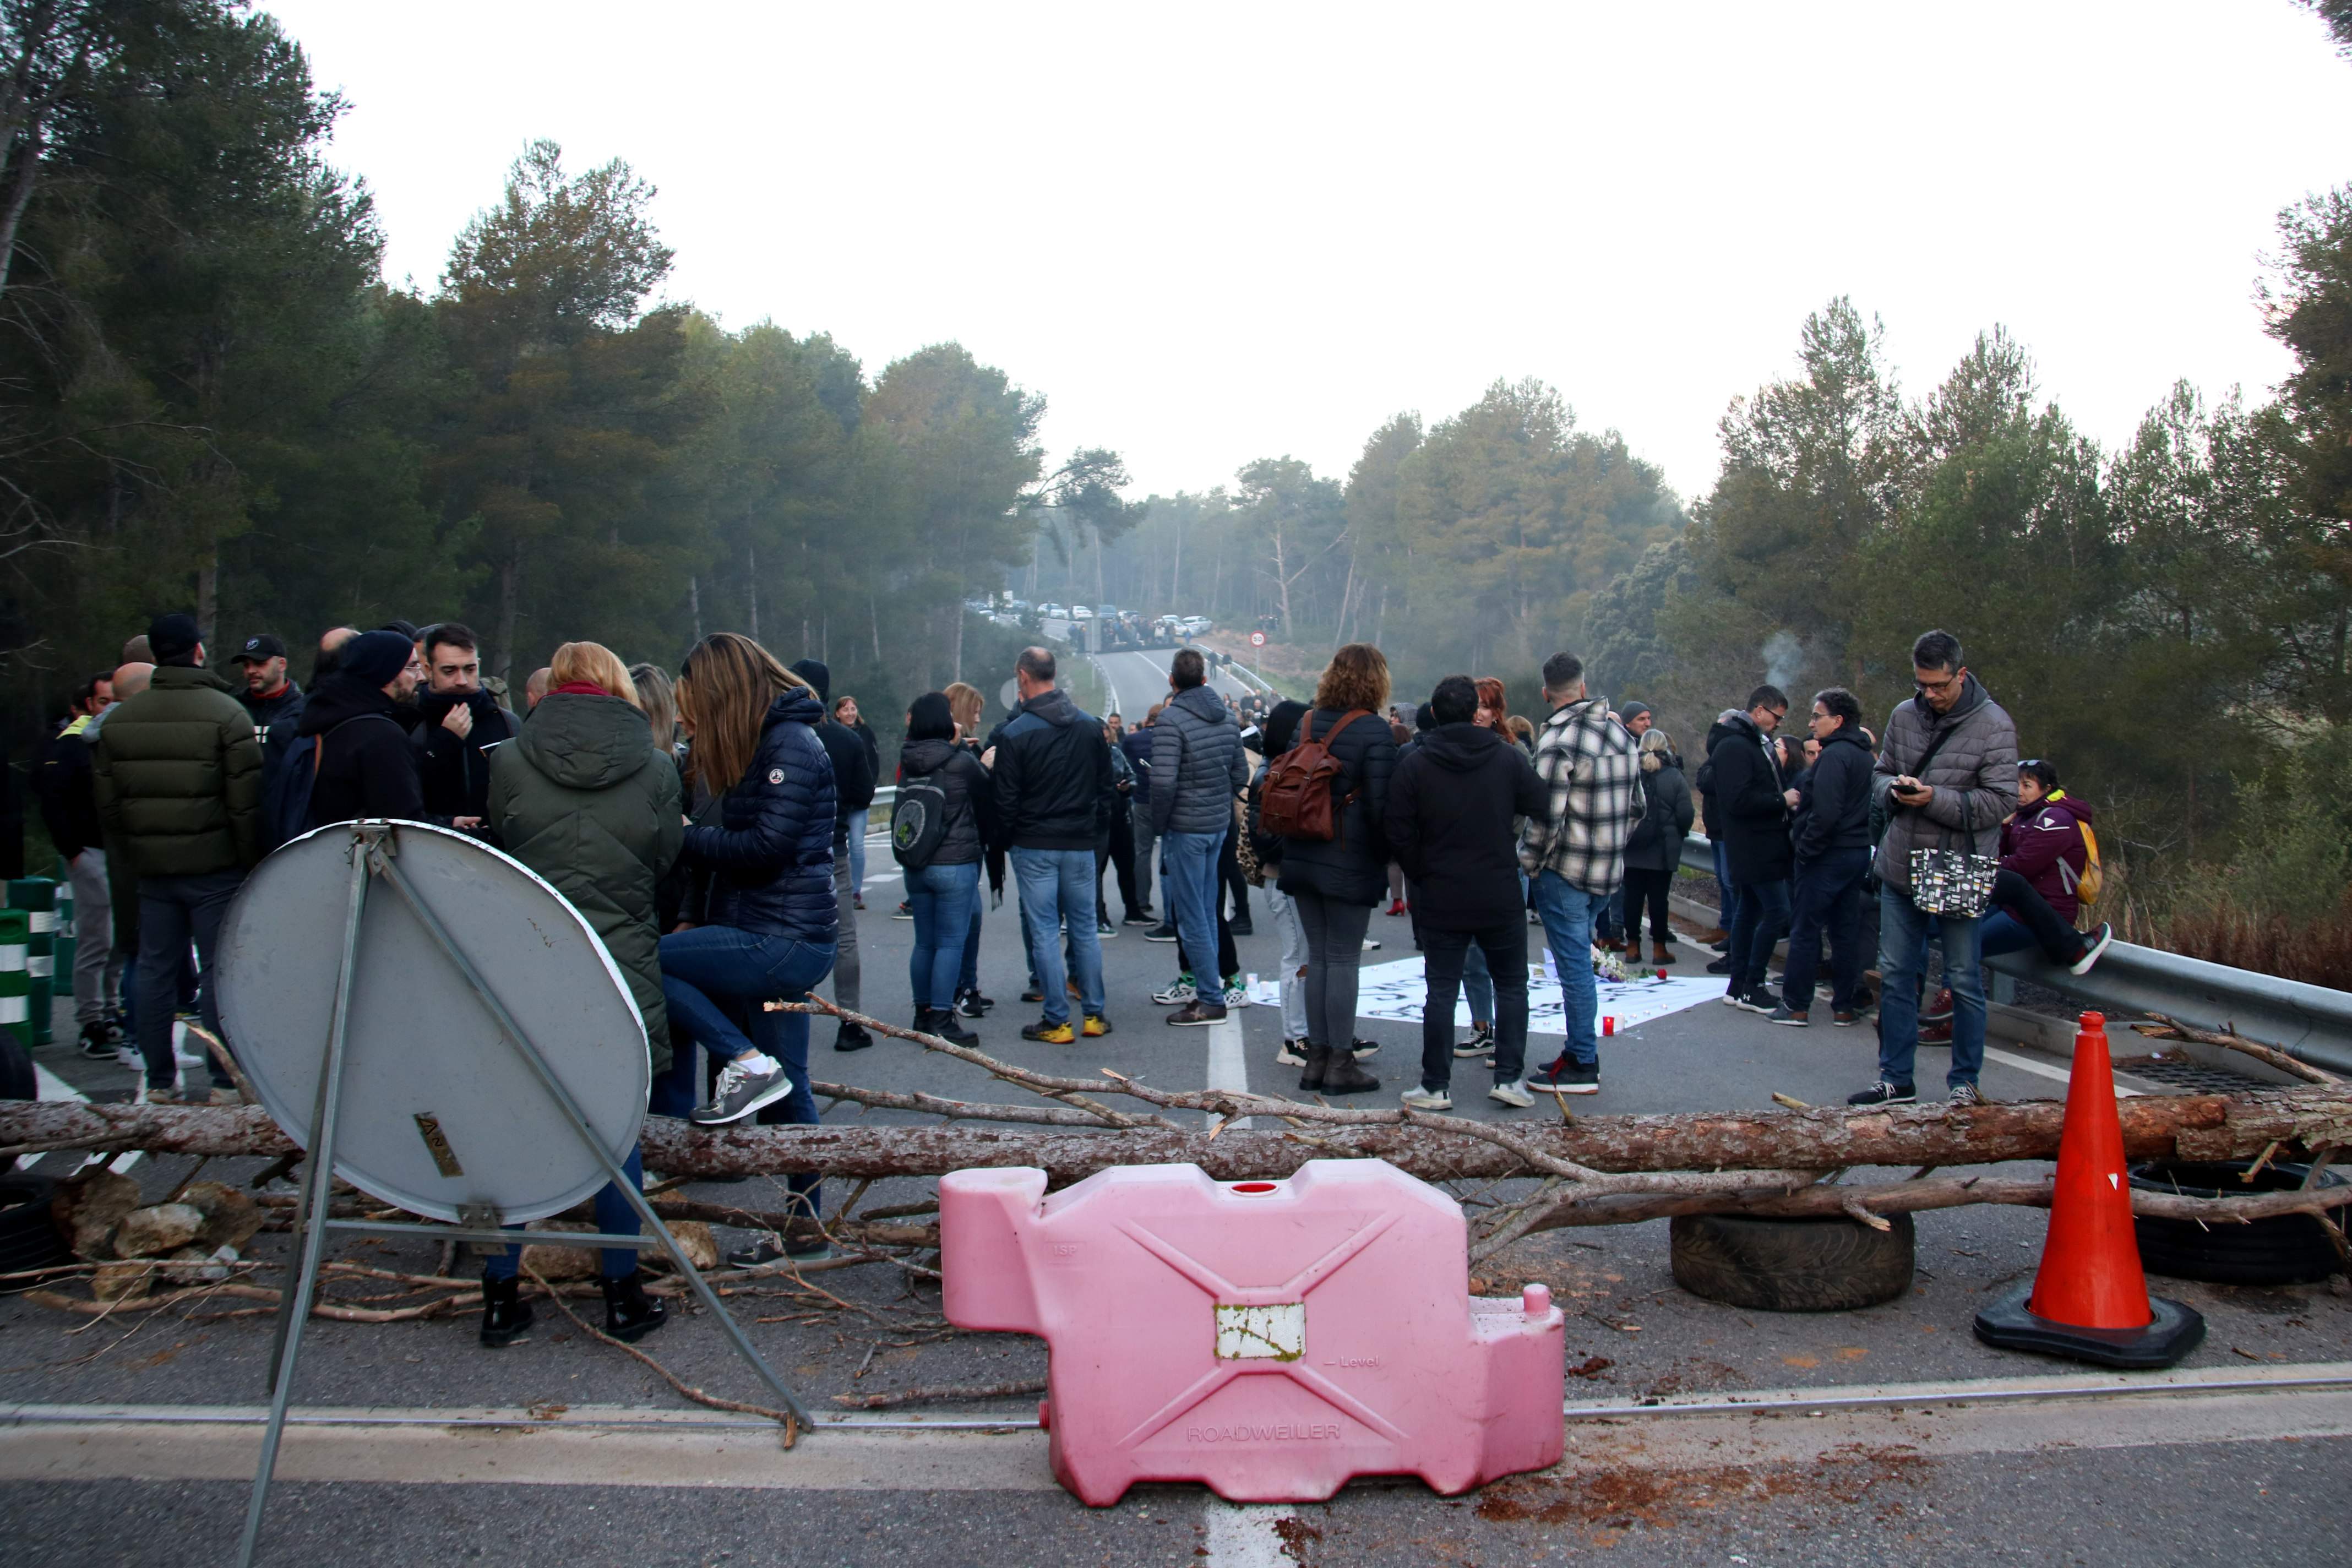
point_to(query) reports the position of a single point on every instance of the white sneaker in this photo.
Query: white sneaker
(1176, 995)
(128, 1055)
(1514, 1094)
(742, 1090)
(1290, 1056)
(1428, 1099)
(1236, 995)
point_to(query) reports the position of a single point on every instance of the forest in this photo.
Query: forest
(212, 400)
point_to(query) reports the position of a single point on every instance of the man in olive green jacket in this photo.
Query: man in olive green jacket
(177, 771)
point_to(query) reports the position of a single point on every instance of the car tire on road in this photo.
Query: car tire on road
(28, 1236)
(2284, 1249)
(1831, 1264)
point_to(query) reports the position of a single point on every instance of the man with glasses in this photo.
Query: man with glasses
(1832, 843)
(1946, 777)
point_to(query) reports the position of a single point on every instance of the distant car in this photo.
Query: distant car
(1016, 607)
(1049, 612)
(1193, 625)
(1080, 613)
(1108, 612)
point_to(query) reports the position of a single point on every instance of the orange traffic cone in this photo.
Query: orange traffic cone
(2090, 1300)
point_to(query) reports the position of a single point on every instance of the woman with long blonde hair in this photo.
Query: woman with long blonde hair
(585, 799)
(761, 923)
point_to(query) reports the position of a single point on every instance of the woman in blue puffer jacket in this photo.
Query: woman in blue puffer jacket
(760, 925)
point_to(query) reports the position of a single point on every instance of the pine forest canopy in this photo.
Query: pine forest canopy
(210, 398)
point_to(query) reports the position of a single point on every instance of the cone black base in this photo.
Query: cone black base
(2172, 1333)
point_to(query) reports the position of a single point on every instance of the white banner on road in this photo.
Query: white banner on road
(1397, 991)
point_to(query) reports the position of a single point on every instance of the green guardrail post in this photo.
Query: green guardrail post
(15, 939)
(37, 897)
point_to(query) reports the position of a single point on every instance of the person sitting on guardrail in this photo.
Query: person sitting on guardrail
(2045, 847)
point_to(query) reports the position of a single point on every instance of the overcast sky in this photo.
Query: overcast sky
(1209, 234)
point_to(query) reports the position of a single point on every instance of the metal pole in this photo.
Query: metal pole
(317, 1197)
(620, 1177)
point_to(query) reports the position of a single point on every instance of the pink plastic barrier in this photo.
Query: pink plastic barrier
(1269, 1339)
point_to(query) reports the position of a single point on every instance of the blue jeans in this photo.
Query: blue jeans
(1727, 897)
(1903, 964)
(2003, 934)
(1828, 898)
(857, 851)
(1058, 884)
(1568, 913)
(1763, 921)
(941, 896)
(710, 973)
(969, 978)
(615, 1216)
(1188, 880)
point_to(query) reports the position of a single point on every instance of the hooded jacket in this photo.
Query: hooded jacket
(584, 798)
(366, 765)
(1666, 818)
(451, 769)
(1353, 868)
(1053, 778)
(852, 755)
(1448, 823)
(1973, 775)
(1835, 814)
(1196, 759)
(176, 776)
(1703, 782)
(769, 857)
(2044, 844)
(972, 809)
(279, 719)
(1746, 778)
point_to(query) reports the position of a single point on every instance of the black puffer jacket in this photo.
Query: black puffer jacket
(1196, 758)
(1353, 868)
(769, 856)
(972, 809)
(1052, 780)
(367, 768)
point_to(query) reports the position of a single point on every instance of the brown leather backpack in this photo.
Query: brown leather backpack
(1301, 798)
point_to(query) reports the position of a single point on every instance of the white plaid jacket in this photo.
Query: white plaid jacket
(1590, 766)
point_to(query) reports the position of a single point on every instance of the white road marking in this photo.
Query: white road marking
(2042, 1070)
(48, 1085)
(608, 1445)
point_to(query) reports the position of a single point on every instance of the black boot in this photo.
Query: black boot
(852, 1038)
(1342, 1076)
(505, 1314)
(629, 1313)
(1319, 1062)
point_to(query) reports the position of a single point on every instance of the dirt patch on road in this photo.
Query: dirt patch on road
(1623, 1496)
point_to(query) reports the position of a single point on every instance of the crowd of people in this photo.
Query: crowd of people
(711, 827)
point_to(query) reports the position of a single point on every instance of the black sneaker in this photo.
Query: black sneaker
(852, 1038)
(1565, 1076)
(1481, 1042)
(1164, 932)
(1140, 918)
(905, 912)
(972, 1004)
(1241, 927)
(1782, 1015)
(1757, 1001)
(1720, 966)
(1886, 1093)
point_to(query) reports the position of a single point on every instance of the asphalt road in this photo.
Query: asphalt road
(2255, 1494)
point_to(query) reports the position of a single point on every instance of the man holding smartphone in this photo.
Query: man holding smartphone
(1946, 775)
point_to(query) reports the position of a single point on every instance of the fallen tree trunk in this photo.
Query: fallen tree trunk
(2201, 1127)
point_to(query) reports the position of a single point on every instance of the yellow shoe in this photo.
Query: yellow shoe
(1097, 1026)
(1059, 1034)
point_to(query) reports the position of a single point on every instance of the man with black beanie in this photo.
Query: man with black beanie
(359, 723)
(177, 776)
(853, 790)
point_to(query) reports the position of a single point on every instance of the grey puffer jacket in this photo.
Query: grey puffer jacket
(1197, 766)
(1973, 774)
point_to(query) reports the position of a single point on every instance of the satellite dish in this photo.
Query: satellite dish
(439, 1113)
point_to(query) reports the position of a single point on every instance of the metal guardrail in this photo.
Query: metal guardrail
(2310, 1023)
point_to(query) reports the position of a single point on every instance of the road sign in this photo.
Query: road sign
(1257, 639)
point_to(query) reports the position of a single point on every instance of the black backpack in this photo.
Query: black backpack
(919, 821)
